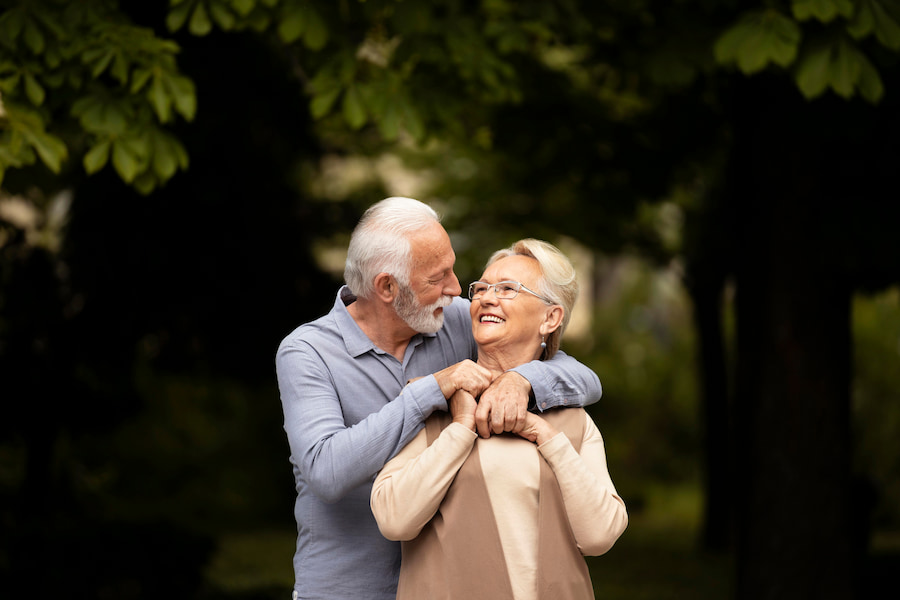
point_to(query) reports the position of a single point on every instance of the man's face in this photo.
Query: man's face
(432, 282)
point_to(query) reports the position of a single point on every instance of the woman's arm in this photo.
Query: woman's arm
(596, 512)
(408, 491)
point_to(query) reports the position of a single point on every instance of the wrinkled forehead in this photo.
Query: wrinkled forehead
(430, 248)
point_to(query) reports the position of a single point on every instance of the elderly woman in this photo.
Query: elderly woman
(509, 516)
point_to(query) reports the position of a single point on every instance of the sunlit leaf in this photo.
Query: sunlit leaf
(200, 23)
(184, 96)
(159, 99)
(50, 148)
(758, 39)
(97, 157)
(125, 160)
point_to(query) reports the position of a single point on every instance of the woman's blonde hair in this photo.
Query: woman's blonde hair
(558, 282)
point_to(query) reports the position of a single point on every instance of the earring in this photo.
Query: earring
(543, 343)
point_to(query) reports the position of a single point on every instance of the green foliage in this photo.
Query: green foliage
(758, 39)
(821, 60)
(876, 405)
(118, 80)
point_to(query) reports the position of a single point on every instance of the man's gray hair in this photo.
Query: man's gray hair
(380, 242)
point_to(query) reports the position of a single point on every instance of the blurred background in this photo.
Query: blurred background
(178, 182)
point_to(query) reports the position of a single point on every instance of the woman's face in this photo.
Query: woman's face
(512, 322)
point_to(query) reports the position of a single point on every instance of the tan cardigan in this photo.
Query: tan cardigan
(499, 518)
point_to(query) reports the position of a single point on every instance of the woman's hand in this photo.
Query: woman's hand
(462, 407)
(537, 429)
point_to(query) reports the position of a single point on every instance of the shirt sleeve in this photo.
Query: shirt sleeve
(596, 512)
(409, 490)
(333, 457)
(561, 381)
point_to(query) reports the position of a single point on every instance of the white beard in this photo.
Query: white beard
(418, 317)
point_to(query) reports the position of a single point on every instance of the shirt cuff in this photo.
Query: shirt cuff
(427, 395)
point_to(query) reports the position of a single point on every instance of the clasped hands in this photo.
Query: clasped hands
(501, 405)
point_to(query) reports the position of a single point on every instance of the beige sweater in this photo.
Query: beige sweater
(410, 488)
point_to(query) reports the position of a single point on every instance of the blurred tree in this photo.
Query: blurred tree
(774, 122)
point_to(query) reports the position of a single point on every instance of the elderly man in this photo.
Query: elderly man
(357, 384)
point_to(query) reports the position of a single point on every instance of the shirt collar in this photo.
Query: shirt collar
(356, 341)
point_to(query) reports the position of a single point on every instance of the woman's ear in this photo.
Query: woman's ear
(552, 319)
(386, 287)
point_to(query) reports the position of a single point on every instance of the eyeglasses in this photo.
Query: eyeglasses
(503, 290)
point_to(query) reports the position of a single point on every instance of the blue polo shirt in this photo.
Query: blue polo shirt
(347, 411)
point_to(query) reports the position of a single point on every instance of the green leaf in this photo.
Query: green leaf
(178, 15)
(840, 65)
(33, 90)
(200, 23)
(293, 25)
(183, 95)
(844, 70)
(822, 10)
(101, 63)
(389, 122)
(97, 157)
(11, 23)
(758, 39)
(125, 160)
(221, 14)
(164, 156)
(139, 79)
(812, 72)
(887, 31)
(323, 100)
(243, 7)
(33, 37)
(50, 148)
(159, 99)
(353, 109)
(412, 121)
(870, 85)
(316, 30)
(144, 183)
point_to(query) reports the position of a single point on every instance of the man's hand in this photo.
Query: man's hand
(462, 407)
(464, 375)
(503, 406)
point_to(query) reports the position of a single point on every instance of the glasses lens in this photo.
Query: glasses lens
(477, 290)
(506, 289)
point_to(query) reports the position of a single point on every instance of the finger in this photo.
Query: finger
(482, 419)
(498, 419)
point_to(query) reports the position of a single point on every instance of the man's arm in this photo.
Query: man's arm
(335, 458)
(560, 381)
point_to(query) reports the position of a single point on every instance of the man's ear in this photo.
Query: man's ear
(386, 287)
(552, 319)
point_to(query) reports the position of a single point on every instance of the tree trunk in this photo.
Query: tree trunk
(793, 371)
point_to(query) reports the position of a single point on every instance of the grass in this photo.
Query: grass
(657, 558)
